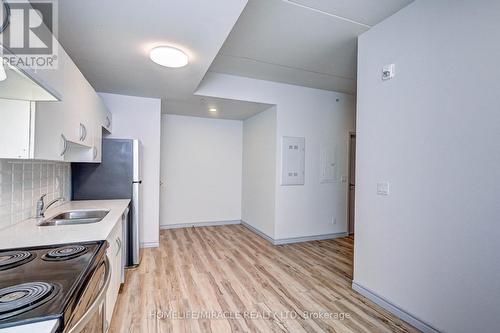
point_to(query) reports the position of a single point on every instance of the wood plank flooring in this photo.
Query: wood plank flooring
(227, 279)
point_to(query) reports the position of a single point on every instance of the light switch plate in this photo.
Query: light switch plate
(383, 188)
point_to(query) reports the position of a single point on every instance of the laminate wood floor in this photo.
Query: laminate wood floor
(228, 279)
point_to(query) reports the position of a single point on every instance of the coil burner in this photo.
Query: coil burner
(65, 253)
(13, 259)
(23, 297)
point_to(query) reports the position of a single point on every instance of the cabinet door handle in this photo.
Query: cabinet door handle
(119, 242)
(84, 132)
(81, 132)
(95, 153)
(108, 121)
(65, 145)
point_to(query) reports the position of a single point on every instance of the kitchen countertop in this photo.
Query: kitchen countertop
(27, 233)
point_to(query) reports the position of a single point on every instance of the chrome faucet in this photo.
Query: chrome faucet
(41, 207)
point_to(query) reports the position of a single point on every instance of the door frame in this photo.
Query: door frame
(349, 149)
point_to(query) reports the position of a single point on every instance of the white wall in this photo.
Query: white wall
(259, 171)
(139, 118)
(431, 247)
(201, 170)
(316, 115)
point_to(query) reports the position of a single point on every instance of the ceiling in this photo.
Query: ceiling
(110, 40)
(311, 43)
(198, 106)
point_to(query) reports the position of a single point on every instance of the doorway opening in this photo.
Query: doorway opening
(352, 181)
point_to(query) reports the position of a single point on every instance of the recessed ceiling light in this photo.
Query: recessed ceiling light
(212, 110)
(169, 56)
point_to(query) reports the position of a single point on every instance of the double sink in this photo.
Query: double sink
(73, 217)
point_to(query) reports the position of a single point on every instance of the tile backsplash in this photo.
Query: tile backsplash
(23, 182)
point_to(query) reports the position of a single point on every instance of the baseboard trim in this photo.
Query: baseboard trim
(395, 310)
(292, 240)
(199, 224)
(271, 240)
(258, 232)
(147, 245)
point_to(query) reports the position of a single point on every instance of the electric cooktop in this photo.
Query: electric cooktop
(43, 283)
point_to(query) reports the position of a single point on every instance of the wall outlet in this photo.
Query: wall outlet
(334, 220)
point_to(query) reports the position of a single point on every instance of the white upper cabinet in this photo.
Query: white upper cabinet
(15, 128)
(107, 121)
(48, 113)
(67, 127)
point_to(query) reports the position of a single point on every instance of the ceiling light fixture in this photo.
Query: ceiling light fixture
(168, 56)
(212, 110)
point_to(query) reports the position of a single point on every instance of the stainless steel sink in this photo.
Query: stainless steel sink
(75, 217)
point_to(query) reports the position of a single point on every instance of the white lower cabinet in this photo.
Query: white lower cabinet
(116, 255)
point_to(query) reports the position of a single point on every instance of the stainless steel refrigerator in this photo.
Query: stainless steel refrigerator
(118, 176)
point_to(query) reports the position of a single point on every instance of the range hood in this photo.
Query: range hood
(20, 85)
